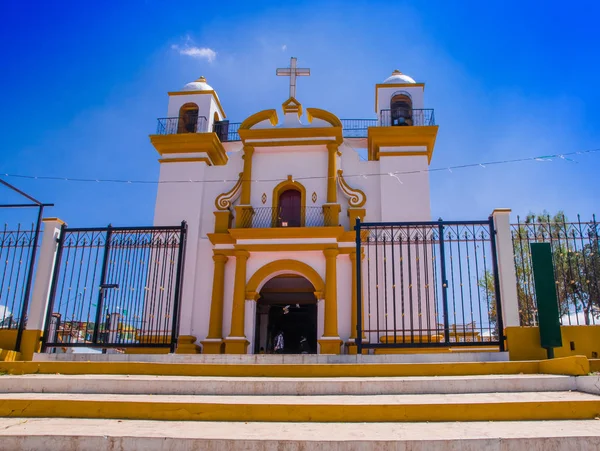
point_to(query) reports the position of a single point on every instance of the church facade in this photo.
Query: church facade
(270, 205)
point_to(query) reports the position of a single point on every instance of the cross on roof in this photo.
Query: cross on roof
(293, 72)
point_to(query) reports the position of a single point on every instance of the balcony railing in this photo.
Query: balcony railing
(352, 128)
(269, 217)
(174, 125)
(400, 117)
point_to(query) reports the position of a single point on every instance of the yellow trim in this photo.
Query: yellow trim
(401, 136)
(330, 346)
(222, 221)
(220, 238)
(185, 160)
(413, 153)
(215, 325)
(224, 200)
(331, 173)
(8, 338)
(251, 121)
(354, 194)
(60, 221)
(191, 143)
(289, 184)
(281, 266)
(186, 344)
(273, 370)
(574, 366)
(286, 232)
(323, 115)
(210, 91)
(291, 133)
(394, 85)
(292, 105)
(247, 175)
(284, 247)
(331, 311)
(239, 296)
(312, 142)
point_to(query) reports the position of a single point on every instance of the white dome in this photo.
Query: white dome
(398, 77)
(198, 85)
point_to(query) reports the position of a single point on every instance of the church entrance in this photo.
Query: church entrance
(287, 305)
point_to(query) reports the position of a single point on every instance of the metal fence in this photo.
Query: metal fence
(17, 248)
(269, 217)
(116, 287)
(427, 284)
(576, 259)
(357, 128)
(227, 131)
(175, 125)
(413, 117)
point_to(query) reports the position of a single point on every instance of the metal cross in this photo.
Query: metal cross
(293, 72)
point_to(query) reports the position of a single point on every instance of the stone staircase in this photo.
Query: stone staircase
(108, 405)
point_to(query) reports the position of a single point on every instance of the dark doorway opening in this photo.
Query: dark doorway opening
(288, 305)
(290, 208)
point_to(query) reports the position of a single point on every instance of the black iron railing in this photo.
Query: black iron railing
(427, 284)
(17, 248)
(357, 128)
(116, 287)
(576, 259)
(409, 117)
(269, 217)
(227, 131)
(186, 124)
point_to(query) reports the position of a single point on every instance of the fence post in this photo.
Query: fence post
(506, 268)
(34, 329)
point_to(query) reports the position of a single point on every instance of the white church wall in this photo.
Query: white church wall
(206, 107)
(270, 166)
(172, 207)
(406, 196)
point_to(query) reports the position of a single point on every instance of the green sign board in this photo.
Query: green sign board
(545, 293)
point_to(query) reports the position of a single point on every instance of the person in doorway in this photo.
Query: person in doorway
(303, 345)
(279, 344)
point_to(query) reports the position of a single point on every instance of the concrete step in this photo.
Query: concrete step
(53, 434)
(523, 406)
(576, 365)
(189, 385)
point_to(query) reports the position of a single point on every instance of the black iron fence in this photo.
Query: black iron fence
(186, 124)
(357, 128)
(227, 131)
(576, 259)
(427, 284)
(17, 249)
(269, 217)
(411, 117)
(116, 287)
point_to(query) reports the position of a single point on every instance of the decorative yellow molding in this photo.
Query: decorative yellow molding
(220, 238)
(247, 175)
(401, 137)
(284, 247)
(224, 200)
(185, 93)
(279, 267)
(251, 121)
(239, 295)
(331, 172)
(183, 143)
(356, 197)
(331, 310)
(324, 115)
(287, 232)
(185, 160)
(285, 136)
(291, 105)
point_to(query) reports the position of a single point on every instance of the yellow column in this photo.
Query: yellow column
(247, 177)
(330, 342)
(236, 343)
(214, 340)
(353, 308)
(332, 173)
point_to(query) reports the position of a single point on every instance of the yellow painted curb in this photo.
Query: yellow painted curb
(333, 412)
(572, 366)
(281, 370)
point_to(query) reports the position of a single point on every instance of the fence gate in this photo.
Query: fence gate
(427, 284)
(116, 287)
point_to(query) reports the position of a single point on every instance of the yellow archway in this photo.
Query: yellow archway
(278, 267)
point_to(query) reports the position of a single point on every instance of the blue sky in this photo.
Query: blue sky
(85, 81)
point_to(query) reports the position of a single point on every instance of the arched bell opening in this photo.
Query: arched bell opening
(188, 118)
(401, 109)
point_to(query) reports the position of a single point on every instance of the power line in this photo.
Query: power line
(394, 174)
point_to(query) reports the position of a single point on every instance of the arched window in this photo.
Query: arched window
(401, 109)
(188, 118)
(290, 208)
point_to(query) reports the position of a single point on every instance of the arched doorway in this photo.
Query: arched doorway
(290, 208)
(287, 304)
(401, 108)
(188, 118)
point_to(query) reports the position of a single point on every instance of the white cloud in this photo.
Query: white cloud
(4, 312)
(196, 52)
(284, 47)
